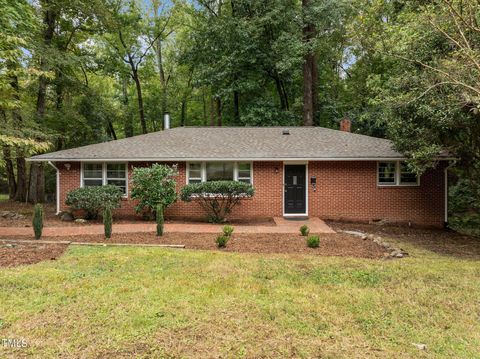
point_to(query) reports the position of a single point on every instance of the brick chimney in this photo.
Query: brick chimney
(346, 125)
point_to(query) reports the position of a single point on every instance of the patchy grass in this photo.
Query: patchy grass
(3, 197)
(149, 302)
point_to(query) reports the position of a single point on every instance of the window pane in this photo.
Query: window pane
(116, 170)
(92, 170)
(386, 172)
(195, 166)
(246, 180)
(218, 171)
(244, 170)
(92, 182)
(194, 172)
(406, 176)
(119, 183)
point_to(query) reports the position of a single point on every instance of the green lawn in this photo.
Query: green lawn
(3, 197)
(148, 302)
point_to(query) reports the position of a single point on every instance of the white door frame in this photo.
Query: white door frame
(285, 163)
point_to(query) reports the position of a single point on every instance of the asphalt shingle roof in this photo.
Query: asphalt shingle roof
(236, 143)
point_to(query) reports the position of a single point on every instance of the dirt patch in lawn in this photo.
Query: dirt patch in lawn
(15, 254)
(330, 244)
(444, 242)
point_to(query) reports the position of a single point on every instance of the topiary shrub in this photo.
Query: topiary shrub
(222, 241)
(153, 186)
(37, 221)
(227, 231)
(217, 198)
(159, 216)
(107, 222)
(313, 242)
(93, 199)
(304, 230)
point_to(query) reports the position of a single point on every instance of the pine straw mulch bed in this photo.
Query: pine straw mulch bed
(443, 242)
(15, 254)
(52, 220)
(330, 244)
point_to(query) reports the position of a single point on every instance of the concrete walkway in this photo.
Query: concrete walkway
(282, 225)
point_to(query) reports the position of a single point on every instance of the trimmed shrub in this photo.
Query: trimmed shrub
(159, 216)
(153, 186)
(227, 231)
(217, 198)
(313, 242)
(37, 221)
(107, 222)
(304, 230)
(93, 199)
(222, 241)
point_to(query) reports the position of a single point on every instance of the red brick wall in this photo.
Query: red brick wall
(346, 190)
(349, 191)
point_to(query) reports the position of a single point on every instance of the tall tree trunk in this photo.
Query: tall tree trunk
(12, 183)
(183, 113)
(36, 189)
(9, 169)
(218, 101)
(37, 181)
(141, 112)
(111, 130)
(308, 68)
(21, 184)
(49, 20)
(161, 71)
(212, 111)
(58, 89)
(236, 107)
(280, 92)
(21, 193)
(204, 102)
(315, 109)
(128, 126)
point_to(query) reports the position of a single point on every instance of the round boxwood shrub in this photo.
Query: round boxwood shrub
(313, 242)
(217, 198)
(222, 241)
(93, 199)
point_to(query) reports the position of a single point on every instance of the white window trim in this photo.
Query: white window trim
(104, 175)
(397, 182)
(203, 169)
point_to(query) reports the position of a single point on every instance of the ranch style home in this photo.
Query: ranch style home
(296, 171)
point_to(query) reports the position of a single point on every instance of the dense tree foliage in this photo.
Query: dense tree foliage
(74, 72)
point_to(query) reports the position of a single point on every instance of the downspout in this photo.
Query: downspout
(57, 195)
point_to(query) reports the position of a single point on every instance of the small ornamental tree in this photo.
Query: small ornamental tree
(93, 199)
(159, 220)
(154, 186)
(38, 221)
(107, 222)
(217, 198)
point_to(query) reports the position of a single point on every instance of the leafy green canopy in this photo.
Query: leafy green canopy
(154, 186)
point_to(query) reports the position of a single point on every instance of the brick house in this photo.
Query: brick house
(296, 171)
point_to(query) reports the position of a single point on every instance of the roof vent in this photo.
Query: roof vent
(285, 132)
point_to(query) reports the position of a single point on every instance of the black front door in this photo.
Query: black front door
(295, 191)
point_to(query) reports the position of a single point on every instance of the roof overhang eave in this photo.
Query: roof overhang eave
(260, 159)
